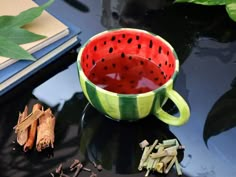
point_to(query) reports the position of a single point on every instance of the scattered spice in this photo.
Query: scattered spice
(45, 136)
(37, 127)
(59, 169)
(147, 151)
(86, 169)
(93, 174)
(64, 175)
(160, 157)
(143, 144)
(72, 166)
(22, 136)
(94, 164)
(76, 167)
(33, 130)
(28, 121)
(99, 167)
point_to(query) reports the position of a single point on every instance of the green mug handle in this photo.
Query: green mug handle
(184, 112)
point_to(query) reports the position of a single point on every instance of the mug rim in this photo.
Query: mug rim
(167, 84)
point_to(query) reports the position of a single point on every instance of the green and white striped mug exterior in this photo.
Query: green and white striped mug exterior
(131, 107)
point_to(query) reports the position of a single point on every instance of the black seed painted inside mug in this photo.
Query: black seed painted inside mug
(122, 75)
(130, 53)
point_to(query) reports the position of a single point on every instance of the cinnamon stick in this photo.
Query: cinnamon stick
(45, 131)
(28, 121)
(33, 130)
(22, 136)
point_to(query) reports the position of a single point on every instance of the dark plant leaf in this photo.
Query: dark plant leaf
(229, 5)
(20, 35)
(9, 48)
(204, 2)
(222, 116)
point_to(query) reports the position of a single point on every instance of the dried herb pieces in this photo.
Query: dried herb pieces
(143, 144)
(160, 157)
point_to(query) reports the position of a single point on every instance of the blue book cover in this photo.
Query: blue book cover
(21, 70)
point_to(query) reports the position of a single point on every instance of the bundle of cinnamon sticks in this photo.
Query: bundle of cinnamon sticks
(38, 126)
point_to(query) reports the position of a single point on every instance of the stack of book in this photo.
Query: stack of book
(61, 37)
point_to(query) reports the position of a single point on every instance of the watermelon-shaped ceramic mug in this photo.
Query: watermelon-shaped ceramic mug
(127, 74)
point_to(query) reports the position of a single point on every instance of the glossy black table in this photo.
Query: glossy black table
(205, 41)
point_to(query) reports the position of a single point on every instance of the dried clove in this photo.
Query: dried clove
(94, 164)
(64, 175)
(99, 167)
(59, 169)
(78, 169)
(86, 169)
(72, 166)
(93, 174)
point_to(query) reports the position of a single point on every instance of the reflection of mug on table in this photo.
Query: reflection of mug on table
(128, 74)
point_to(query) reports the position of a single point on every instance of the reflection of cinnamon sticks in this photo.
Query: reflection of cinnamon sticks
(38, 124)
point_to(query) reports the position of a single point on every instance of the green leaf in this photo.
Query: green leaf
(20, 36)
(9, 48)
(24, 17)
(231, 10)
(204, 2)
(11, 33)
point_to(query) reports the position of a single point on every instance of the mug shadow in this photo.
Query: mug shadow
(115, 144)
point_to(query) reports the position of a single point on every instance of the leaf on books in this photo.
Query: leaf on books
(20, 35)
(24, 17)
(12, 34)
(9, 48)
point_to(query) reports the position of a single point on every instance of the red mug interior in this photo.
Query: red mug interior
(128, 50)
